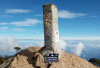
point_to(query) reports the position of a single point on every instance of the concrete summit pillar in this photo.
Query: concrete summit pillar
(51, 32)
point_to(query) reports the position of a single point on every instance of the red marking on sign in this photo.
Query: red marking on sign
(56, 33)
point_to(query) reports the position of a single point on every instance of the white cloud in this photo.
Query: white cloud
(81, 38)
(63, 44)
(69, 15)
(7, 45)
(3, 23)
(77, 50)
(3, 28)
(19, 29)
(84, 56)
(40, 43)
(39, 15)
(17, 11)
(37, 37)
(94, 16)
(94, 45)
(7, 16)
(23, 30)
(27, 22)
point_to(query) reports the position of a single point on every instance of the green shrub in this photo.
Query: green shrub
(17, 48)
(95, 61)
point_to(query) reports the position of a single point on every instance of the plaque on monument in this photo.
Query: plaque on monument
(52, 58)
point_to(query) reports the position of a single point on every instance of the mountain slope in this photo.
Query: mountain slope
(31, 58)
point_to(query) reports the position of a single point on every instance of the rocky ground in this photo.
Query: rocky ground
(31, 58)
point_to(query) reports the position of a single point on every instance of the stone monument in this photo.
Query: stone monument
(51, 32)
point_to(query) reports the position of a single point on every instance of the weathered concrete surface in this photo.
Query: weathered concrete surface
(51, 32)
(31, 58)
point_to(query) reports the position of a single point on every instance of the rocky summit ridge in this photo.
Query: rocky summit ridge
(31, 58)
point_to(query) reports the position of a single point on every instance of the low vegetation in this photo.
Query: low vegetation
(95, 61)
(17, 48)
(3, 59)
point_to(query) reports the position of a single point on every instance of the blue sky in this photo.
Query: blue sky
(24, 18)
